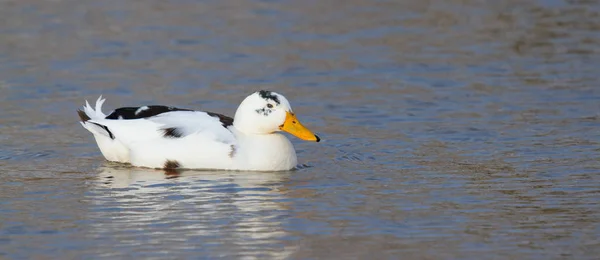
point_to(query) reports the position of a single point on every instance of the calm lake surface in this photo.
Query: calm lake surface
(462, 129)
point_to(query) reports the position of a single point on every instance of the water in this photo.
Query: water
(451, 129)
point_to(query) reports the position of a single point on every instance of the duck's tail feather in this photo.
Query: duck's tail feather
(98, 129)
(83, 116)
(88, 112)
(91, 119)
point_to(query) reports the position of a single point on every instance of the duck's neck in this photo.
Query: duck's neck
(267, 152)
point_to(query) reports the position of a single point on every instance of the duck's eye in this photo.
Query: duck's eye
(269, 106)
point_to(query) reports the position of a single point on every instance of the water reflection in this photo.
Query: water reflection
(241, 213)
(455, 129)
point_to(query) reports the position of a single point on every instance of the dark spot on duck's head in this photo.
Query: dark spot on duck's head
(268, 95)
(263, 111)
(172, 132)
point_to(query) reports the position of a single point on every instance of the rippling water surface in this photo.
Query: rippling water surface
(451, 129)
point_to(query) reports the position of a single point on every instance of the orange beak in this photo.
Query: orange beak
(293, 126)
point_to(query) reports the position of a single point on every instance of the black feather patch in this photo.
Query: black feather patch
(141, 112)
(171, 164)
(172, 132)
(150, 111)
(225, 120)
(264, 111)
(268, 95)
(83, 116)
(110, 134)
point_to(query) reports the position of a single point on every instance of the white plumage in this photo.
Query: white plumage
(167, 137)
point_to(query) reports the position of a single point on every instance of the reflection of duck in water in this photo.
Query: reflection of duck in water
(123, 176)
(240, 214)
(168, 137)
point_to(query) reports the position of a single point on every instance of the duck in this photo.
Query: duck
(171, 138)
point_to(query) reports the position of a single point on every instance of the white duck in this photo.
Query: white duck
(169, 138)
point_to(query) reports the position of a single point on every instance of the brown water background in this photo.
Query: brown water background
(457, 129)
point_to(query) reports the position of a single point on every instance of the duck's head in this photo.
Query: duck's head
(265, 112)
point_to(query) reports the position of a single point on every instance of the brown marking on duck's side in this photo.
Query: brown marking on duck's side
(171, 164)
(233, 151)
(172, 132)
(171, 168)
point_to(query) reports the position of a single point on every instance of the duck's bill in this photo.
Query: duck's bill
(293, 126)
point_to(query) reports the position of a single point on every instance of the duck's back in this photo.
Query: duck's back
(162, 136)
